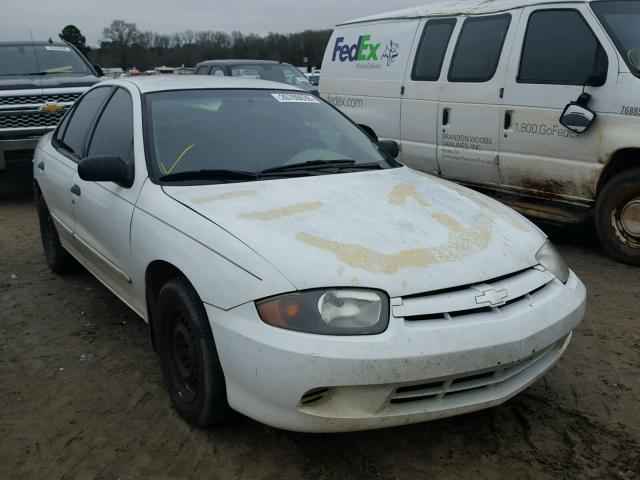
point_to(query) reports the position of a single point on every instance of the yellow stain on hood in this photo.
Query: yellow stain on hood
(277, 213)
(462, 243)
(404, 191)
(225, 196)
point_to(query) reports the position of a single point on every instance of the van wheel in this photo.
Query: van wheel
(188, 357)
(618, 217)
(59, 260)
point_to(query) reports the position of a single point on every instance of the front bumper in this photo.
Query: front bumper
(413, 372)
(15, 145)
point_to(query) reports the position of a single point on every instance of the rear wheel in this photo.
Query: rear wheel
(618, 216)
(189, 358)
(59, 260)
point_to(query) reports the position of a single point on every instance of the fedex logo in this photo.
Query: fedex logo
(360, 51)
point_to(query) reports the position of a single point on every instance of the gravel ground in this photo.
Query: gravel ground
(82, 396)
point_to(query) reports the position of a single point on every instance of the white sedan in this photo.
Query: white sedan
(289, 268)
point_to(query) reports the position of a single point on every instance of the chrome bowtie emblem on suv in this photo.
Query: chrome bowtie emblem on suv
(493, 297)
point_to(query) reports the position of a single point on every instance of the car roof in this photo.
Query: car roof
(159, 83)
(238, 61)
(438, 8)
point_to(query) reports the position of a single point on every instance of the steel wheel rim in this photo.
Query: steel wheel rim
(183, 358)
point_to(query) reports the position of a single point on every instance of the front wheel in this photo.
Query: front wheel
(188, 357)
(618, 217)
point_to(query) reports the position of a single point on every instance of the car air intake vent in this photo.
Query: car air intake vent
(314, 396)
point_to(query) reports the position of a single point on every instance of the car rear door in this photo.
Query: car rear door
(57, 162)
(469, 111)
(104, 210)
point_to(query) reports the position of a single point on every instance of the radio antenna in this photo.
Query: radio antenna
(35, 53)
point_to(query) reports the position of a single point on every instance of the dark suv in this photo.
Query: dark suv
(257, 69)
(39, 82)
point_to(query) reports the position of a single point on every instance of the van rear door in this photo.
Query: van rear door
(424, 77)
(469, 112)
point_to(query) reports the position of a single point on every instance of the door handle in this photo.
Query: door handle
(41, 166)
(507, 120)
(76, 190)
(445, 116)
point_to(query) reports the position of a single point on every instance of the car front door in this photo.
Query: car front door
(557, 55)
(103, 210)
(470, 100)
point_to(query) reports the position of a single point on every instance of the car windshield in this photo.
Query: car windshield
(621, 18)
(273, 72)
(247, 132)
(40, 60)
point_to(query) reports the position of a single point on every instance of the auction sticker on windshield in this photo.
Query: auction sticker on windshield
(294, 98)
(58, 49)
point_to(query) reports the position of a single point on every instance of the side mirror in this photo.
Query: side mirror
(106, 168)
(577, 118)
(98, 70)
(391, 147)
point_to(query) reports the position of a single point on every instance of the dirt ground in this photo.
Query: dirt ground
(81, 393)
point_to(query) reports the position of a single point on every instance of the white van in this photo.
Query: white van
(536, 102)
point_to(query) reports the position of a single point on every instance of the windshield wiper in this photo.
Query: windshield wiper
(222, 175)
(311, 165)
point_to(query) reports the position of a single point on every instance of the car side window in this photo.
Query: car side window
(113, 134)
(217, 71)
(204, 70)
(81, 120)
(560, 48)
(432, 49)
(479, 47)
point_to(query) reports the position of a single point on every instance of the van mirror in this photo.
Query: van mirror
(105, 168)
(577, 118)
(391, 147)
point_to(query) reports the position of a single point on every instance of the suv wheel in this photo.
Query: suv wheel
(618, 217)
(188, 357)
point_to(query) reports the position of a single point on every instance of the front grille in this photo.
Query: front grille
(33, 99)
(478, 300)
(458, 385)
(30, 120)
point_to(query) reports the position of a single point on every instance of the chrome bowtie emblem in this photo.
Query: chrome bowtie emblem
(492, 297)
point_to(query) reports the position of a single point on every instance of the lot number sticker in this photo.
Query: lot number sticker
(58, 49)
(294, 98)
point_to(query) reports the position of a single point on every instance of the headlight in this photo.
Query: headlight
(551, 259)
(339, 311)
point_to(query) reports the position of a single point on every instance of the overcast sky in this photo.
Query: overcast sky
(46, 18)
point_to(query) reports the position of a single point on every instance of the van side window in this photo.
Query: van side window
(560, 48)
(217, 71)
(478, 49)
(432, 48)
(204, 70)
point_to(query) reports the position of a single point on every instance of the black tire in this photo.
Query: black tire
(60, 261)
(618, 192)
(188, 357)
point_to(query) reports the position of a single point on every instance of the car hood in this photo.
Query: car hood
(32, 82)
(396, 230)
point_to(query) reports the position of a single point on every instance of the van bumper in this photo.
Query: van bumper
(413, 372)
